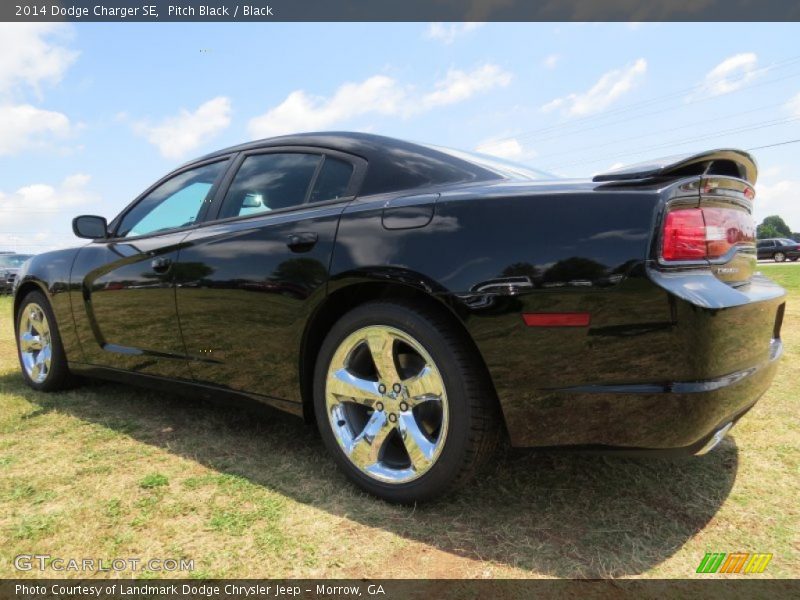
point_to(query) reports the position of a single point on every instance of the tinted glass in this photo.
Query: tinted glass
(267, 182)
(333, 180)
(787, 242)
(175, 203)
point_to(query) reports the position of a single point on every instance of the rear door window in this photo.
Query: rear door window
(269, 182)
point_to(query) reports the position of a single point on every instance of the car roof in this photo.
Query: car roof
(393, 164)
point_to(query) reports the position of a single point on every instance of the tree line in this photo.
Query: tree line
(775, 227)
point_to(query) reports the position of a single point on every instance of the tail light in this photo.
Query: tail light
(705, 233)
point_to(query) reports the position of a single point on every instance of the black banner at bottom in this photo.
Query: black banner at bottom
(729, 588)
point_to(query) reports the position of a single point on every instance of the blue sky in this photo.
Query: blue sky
(92, 113)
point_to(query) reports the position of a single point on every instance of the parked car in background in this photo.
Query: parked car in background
(9, 267)
(417, 302)
(778, 249)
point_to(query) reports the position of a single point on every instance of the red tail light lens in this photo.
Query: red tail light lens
(684, 235)
(705, 233)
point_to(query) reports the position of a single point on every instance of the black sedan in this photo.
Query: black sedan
(9, 267)
(419, 303)
(778, 249)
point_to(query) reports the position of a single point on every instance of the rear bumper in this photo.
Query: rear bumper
(678, 417)
(666, 384)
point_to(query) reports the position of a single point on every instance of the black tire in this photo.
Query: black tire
(58, 376)
(779, 257)
(474, 423)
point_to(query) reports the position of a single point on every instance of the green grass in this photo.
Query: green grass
(787, 275)
(153, 480)
(106, 470)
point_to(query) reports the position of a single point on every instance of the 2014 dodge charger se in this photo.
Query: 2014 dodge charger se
(418, 303)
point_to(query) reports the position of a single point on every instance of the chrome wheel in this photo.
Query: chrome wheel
(779, 257)
(35, 344)
(386, 404)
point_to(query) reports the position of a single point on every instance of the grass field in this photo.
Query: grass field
(107, 471)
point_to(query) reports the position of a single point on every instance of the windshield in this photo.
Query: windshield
(504, 168)
(13, 261)
(787, 242)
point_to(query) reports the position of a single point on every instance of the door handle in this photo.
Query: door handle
(302, 242)
(161, 264)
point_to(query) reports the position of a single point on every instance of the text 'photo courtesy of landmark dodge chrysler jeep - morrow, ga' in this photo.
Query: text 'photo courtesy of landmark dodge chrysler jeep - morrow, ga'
(418, 303)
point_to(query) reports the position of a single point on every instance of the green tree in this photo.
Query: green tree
(773, 226)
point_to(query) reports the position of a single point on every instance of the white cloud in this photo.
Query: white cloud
(508, 148)
(729, 75)
(448, 32)
(24, 126)
(550, 61)
(32, 54)
(300, 112)
(43, 208)
(608, 89)
(460, 85)
(176, 136)
(379, 94)
(779, 198)
(794, 105)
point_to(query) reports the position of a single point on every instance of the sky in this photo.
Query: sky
(91, 114)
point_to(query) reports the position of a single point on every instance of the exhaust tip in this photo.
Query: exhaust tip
(715, 439)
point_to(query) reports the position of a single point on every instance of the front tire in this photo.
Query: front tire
(402, 404)
(779, 257)
(41, 354)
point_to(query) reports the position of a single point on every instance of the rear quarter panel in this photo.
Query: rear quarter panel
(491, 255)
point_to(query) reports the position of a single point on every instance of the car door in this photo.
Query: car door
(764, 248)
(248, 282)
(127, 317)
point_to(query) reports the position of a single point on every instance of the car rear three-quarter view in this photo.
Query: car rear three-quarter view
(419, 303)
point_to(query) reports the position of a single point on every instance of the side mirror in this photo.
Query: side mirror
(90, 227)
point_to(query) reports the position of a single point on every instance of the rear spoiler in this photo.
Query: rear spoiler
(727, 161)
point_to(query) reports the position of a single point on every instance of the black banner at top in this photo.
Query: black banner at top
(399, 10)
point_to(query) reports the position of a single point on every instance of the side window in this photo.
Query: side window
(175, 203)
(332, 181)
(267, 182)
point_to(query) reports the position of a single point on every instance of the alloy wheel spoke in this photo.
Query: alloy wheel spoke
(44, 356)
(420, 449)
(424, 387)
(366, 447)
(36, 371)
(29, 342)
(347, 386)
(381, 347)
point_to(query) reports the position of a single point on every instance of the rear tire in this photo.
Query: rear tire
(39, 349)
(402, 404)
(779, 257)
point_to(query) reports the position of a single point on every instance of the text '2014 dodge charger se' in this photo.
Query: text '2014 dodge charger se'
(418, 302)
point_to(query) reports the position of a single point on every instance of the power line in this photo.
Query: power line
(552, 130)
(671, 129)
(773, 145)
(711, 135)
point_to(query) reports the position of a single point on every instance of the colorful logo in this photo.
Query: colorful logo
(737, 562)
